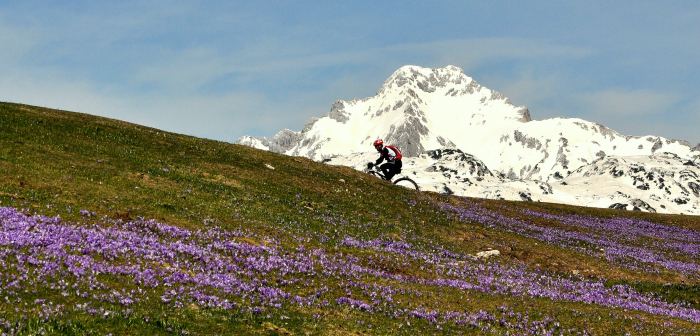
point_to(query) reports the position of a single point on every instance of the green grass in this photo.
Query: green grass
(56, 163)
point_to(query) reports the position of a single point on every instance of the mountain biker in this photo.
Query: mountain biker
(392, 154)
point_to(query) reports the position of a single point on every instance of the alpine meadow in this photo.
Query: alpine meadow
(108, 227)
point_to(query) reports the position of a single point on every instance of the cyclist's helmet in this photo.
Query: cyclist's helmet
(378, 142)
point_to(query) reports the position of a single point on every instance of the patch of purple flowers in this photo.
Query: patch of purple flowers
(243, 271)
(627, 242)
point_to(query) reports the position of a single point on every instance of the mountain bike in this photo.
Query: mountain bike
(404, 181)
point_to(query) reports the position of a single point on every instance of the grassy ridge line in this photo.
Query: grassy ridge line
(58, 163)
(89, 161)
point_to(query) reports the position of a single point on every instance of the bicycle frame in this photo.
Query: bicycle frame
(376, 172)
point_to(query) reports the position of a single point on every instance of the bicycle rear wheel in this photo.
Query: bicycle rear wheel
(406, 183)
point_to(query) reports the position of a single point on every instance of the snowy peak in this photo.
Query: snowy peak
(428, 80)
(414, 82)
(417, 109)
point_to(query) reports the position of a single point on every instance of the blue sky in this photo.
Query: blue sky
(224, 69)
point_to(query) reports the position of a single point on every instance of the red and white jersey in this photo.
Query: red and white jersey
(390, 153)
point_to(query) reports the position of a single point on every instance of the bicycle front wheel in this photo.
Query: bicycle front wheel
(406, 183)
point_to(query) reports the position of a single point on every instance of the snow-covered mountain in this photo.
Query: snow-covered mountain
(450, 128)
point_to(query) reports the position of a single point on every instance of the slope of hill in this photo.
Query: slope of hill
(421, 110)
(109, 227)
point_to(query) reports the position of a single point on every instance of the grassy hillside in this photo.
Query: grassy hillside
(110, 227)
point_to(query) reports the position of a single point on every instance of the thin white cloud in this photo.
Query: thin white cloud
(474, 52)
(530, 89)
(52, 89)
(184, 70)
(199, 65)
(621, 102)
(15, 43)
(465, 52)
(695, 109)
